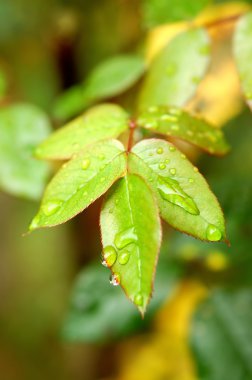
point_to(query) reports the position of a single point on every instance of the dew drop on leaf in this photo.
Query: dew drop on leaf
(191, 180)
(115, 279)
(124, 238)
(160, 150)
(213, 233)
(138, 299)
(124, 258)
(109, 255)
(172, 171)
(167, 117)
(162, 166)
(172, 148)
(85, 163)
(51, 208)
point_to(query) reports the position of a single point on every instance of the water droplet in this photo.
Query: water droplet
(172, 148)
(102, 179)
(85, 163)
(195, 169)
(183, 156)
(168, 117)
(174, 127)
(109, 255)
(191, 180)
(172, 171)
(115, 279)
(104, 263)
(138, 299)
(124, 258)
(167, 161)
(51, 208)
(171, 69)
(213, 233)
(160, 150)
(126, 237)
(162, 166)
(170, 191)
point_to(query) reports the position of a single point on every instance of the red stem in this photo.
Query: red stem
(132, 127)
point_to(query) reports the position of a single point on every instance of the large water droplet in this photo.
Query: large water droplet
(126, 237)
(170, 191)
(213, 233)
(124, 258)
(109, 255)
(138, 299)
(51, 208)
(115, 279)
(85, 163)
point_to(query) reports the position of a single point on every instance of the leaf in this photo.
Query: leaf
(157, 12)
(99, 312)
(178, 123)
(170, 79)
(22, 127)
(131, 236)
(221, 336)
(243, 54)
(102, 122)
(184, 198)
(80, 182)
(108, 79)
(3, 83)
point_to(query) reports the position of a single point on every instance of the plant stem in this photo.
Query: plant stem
(132, 127)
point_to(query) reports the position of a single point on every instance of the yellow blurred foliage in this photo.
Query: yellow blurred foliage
(218, 98)
(165, 354)
(216, 261)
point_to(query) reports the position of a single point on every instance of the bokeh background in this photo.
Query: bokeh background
(54, 326)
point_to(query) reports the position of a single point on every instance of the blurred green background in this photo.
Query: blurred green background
(45, 333)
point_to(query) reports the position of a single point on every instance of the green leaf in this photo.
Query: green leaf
(108, 79)
(99, 312)
(184, 198)
(243, 54)
(174, 75)
(80, 182)
(102, 122)
(22, 127)
(131, 236)
(221, 336)
(172, 121)
(156, 12)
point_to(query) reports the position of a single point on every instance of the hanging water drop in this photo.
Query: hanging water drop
(115, 279)
(213, 233)
(109, 255)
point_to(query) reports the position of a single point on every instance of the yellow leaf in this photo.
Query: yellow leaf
(165, 354)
